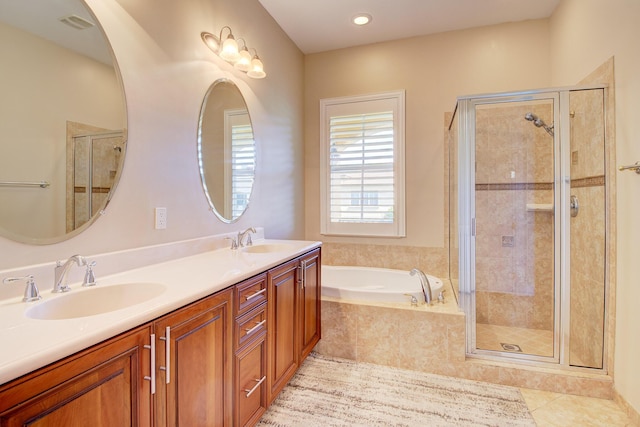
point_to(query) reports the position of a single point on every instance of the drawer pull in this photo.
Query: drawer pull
(258, 325)
(260, 381)
(167, 352)
(261, 291)
(152, 378)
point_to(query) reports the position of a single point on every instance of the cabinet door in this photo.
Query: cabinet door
(250, 383)
(282, 331)
(195, 374)
(310, 300)
(99, 387)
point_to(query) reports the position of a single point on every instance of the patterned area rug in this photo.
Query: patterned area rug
(337, 392)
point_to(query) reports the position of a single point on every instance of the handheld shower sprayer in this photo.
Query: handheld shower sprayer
(538, 122)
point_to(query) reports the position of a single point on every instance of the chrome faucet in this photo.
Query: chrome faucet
(61, 270)
(424, 281)
(241, 235)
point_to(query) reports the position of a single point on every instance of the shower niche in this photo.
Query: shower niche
(528, 199)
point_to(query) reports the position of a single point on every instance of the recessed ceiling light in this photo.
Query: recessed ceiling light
(362, 19)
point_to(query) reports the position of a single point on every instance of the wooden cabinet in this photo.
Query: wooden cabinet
(194, 353)
(99, 387)
(250, 366)
(294, 317)
(111, 383)
(219, 361)
(283, 357)
(310, 302)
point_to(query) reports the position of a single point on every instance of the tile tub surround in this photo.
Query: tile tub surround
(28, 344)
(434, 261)
(433, 340)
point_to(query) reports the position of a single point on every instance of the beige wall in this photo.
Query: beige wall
(166, 71)
(433, 70)
(584, 34)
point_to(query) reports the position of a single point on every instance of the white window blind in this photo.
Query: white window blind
(363, 165)
(243, 159)
(361, 168)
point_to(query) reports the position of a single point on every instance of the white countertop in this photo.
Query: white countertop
(27, 344)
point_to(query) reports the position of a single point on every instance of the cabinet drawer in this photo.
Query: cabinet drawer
(251, 385)
(251, 325)
(250, 293)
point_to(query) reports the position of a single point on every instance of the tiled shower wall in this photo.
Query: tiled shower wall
(514, 243)
(587, 229)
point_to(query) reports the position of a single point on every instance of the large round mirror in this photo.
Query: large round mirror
(62, 120)
(226, 150)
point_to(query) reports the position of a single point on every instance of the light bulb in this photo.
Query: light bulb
(244, 60)
(257, 69)
(229, 51)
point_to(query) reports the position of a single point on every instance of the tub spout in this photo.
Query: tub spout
(424, 282)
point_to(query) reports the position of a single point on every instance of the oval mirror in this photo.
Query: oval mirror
(62, 120)
(226, 150)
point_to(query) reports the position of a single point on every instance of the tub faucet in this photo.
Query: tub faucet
(426, 286)
(241, 235)
(61, 270)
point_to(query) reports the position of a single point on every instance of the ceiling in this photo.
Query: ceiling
(42, 19)
(321, 25)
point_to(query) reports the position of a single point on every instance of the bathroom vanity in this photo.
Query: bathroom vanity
(218, 360)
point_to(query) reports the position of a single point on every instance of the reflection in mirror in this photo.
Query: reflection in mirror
(226, 150)
(62, 120)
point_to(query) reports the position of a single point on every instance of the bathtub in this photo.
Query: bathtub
(374, 284)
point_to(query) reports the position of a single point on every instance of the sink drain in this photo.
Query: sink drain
(511, 347)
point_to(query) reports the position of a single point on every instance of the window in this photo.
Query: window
(362, 165)
(239, 161)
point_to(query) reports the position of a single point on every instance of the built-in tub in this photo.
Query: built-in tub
(374, 284)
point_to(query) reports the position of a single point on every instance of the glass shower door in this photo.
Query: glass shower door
(516, 238)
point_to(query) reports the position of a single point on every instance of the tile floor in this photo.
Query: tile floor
(551, 409)
(530, 341)
(564, 410)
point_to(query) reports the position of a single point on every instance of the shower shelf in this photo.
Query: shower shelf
(539, 207)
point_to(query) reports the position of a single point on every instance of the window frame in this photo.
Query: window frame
(351, 105)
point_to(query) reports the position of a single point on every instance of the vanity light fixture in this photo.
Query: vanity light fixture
(361, 19)
(239, 57)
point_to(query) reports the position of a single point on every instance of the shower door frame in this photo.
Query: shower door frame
(467, 216)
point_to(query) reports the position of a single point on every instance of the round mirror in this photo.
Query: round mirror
(226, 150)
(62, 120)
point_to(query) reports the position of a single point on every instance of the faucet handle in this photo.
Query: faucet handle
(234, 243)
(249, 241)
(441, 297)
(31, 292)
(89, 275)
(414, 300)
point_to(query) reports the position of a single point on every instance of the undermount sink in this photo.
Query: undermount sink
(98, 300)
(267, 248)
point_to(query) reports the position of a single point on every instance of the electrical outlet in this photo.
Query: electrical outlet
(161, 218)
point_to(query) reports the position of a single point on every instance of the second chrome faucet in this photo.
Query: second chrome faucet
(62, 271)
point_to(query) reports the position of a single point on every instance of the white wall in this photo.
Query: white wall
(166, 71)
(584, 34)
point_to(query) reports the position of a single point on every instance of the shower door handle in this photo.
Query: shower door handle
(574, 206)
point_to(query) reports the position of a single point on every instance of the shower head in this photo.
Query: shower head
(538, 122)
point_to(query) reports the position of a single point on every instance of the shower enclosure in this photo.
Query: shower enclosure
(528, 225)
